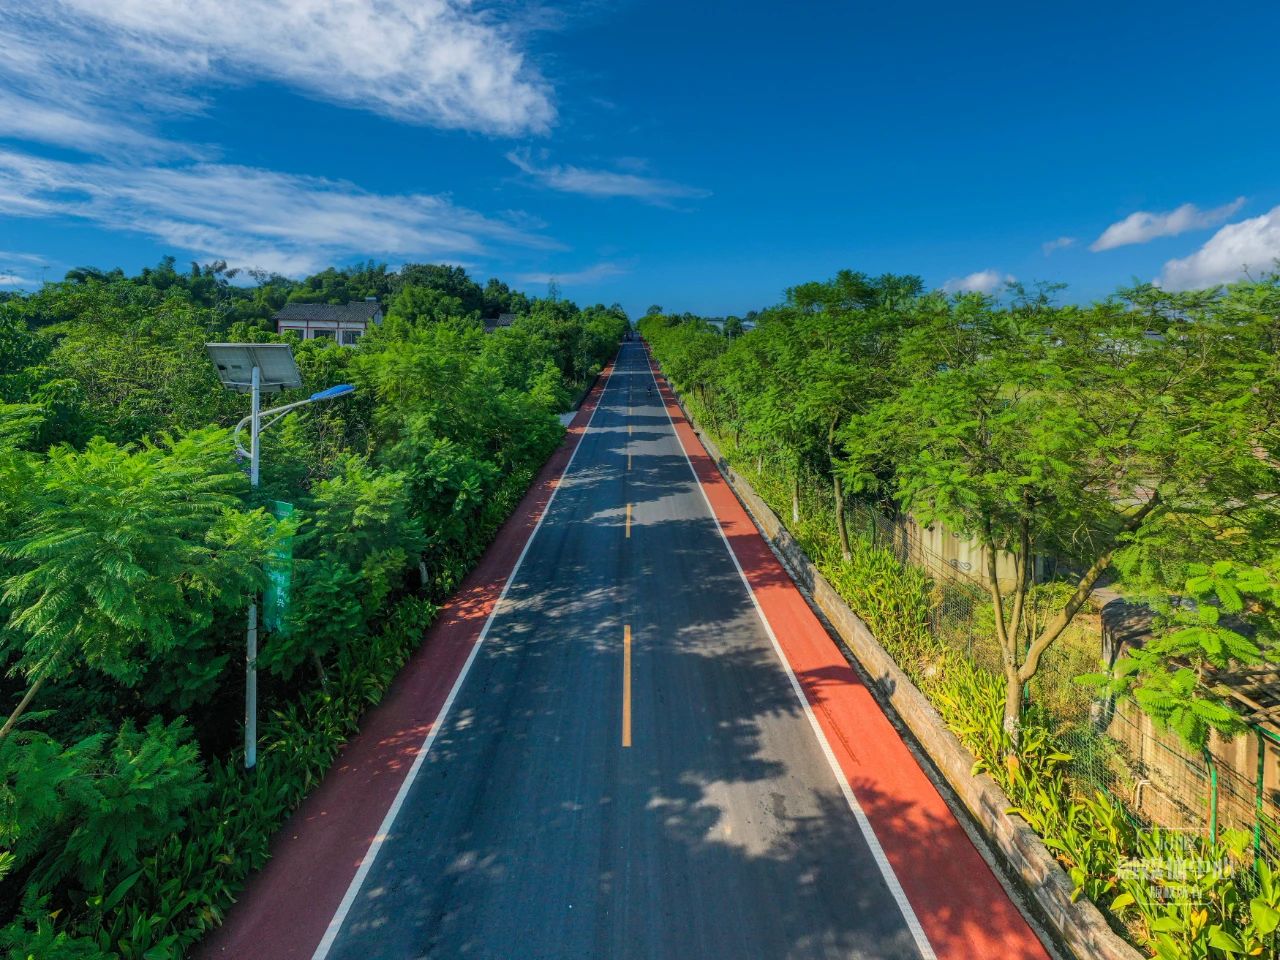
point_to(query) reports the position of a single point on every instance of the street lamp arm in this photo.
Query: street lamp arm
(280, 411)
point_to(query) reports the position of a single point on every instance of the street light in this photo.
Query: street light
(258, 368)
(276, 414)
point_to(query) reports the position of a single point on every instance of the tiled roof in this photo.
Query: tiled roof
(356, 310)
(502, 320)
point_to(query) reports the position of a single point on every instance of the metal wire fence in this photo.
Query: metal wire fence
(1114, 747)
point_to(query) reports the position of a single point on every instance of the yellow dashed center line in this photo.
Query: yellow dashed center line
(628, 521)
(626, 685)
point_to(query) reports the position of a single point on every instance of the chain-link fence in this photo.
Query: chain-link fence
(957, 601)
(1114, 747)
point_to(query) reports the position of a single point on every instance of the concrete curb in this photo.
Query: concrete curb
(1080, 925)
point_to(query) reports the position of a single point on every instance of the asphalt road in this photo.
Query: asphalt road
(626, 771)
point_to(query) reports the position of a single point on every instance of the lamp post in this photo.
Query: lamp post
(257, 368)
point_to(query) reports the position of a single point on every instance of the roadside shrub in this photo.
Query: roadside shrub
(184, 887)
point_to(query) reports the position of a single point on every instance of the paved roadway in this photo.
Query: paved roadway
(627, 771)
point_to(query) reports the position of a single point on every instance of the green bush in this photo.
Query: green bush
(184, 887)
(94, 809)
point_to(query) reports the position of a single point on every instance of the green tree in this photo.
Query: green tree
(838, 354)
(1177, 677)
(134, 360)
(449, 281)
(352, 556)
(123, 554)
(1125, 433)
(419, 304)
(784, 427)
(96, 808)
(38, 938)
(499, 299)
(334, 285)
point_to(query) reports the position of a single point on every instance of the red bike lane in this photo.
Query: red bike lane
(963, 909)
(285, 909)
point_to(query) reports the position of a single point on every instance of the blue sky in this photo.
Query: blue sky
(702, 156)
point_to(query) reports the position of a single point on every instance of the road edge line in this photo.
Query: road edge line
(384, 829)
(859, 815)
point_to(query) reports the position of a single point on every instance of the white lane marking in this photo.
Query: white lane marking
(384, 830)
(868, 834)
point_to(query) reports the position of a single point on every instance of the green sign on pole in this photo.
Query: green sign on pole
(279, 570)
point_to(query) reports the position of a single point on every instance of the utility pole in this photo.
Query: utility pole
(251, 638)
(233, 361)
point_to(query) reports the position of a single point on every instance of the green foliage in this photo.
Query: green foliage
(127, 549)
(1112, 859)
(415, 304)
(1079, 434)
(193, 877)
(132, 544)
(1230, 905)
(43, 940)
(128, 361)
(365, 517)
(342, 285)
(1174, 676)
(95, 809)
(326, 613)
(20, 351)
(19, 423)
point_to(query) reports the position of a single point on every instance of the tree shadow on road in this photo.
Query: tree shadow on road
(531, 832)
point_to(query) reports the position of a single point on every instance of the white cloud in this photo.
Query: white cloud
(99, 76)
(32, 258)
(984, 281)
(13, 280)
(605, 183)
(74, 126)
(1142, 226)
(253, 217)
(1252, 244)
(1060, 244)
(592, 274)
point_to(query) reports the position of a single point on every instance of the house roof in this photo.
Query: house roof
(355, 311)
(502, 320)
(1255, 689)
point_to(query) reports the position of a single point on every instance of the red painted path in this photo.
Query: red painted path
(284, 911)
(962, 907)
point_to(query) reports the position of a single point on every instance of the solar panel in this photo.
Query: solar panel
(235, 362)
